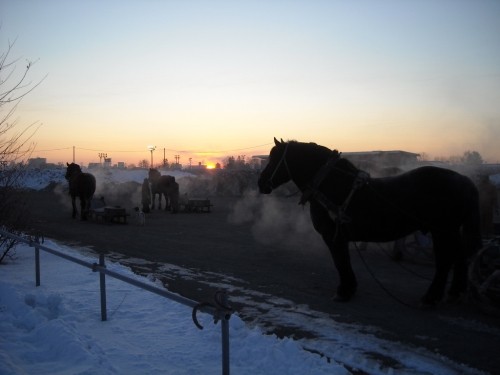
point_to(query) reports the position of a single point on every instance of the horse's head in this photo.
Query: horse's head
(276, 172)
(154, 174)
(71, 170)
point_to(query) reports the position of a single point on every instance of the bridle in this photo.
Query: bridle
(282, 160)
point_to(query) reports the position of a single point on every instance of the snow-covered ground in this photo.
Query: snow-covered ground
(40, 178)
(56, 328)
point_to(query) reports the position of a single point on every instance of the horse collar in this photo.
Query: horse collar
(312, 191)
(312, 188)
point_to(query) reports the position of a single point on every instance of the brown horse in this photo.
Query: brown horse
(81, 185)
(346, 204)
(164, 185)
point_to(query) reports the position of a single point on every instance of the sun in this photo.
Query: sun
(210, 166)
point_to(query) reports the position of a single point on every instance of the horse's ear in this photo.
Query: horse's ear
(276, 142)
(282, 141)
(67, 164)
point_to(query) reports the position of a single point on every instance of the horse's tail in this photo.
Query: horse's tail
(471, 228)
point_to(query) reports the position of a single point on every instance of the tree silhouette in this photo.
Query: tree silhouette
(15, 145)
(472, 158)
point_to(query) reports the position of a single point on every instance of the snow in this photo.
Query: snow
(56, 328)
(39, 178)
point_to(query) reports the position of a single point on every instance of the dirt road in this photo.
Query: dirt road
(254, 262)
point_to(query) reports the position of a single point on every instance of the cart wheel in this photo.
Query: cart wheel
(484, 277)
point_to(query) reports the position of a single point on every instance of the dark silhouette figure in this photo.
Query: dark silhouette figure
(81, 185)
(164, 186)
(146, 196)
(346, 204)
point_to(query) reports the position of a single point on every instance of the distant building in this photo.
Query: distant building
(37, 162)
(259, 161)
(200, 167)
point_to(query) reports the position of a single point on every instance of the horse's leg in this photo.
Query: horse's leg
(73, 203)
(348, 283)
(167, 202)
(459, 281)
(154, 201)
(444, 245)
(160, 195)
(339, 250)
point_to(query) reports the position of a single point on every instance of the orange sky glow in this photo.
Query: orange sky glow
(207, 80)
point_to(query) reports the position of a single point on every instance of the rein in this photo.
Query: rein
(282, 160)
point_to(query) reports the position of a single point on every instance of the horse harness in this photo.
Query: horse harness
(337, 212)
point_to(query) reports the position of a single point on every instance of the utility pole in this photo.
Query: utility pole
(151, 149)
(101, 156)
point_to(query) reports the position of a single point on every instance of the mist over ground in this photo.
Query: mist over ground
(277, 220)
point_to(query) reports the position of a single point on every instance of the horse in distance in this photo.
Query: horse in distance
(346, 204)
(81, 185)
(166, 186)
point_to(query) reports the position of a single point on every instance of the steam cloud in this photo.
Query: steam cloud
(277, 220)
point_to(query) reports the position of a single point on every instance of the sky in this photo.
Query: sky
(56, 329)
(208, 79)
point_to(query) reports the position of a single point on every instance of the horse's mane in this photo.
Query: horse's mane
(324, 153)
(322, 150)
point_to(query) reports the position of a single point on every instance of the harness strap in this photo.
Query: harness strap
(318, 179)
(361, 179)
(312, 191)
(326, 168)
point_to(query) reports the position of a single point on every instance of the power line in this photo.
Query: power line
(54, 149)
(167, 149)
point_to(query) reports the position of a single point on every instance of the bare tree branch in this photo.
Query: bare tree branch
(16, 145)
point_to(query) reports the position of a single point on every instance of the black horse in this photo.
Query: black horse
(164, 185)
(346, 204)
(81, 185)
